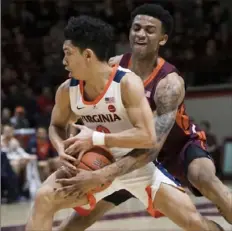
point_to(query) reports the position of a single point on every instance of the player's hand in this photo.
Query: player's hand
(79, 185)
(115, 60)
(67, 160)
(81, 143)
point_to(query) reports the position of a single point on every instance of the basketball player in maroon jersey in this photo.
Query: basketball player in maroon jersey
(184, 153)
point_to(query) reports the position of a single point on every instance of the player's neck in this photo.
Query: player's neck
(99, 78)
(143, 67)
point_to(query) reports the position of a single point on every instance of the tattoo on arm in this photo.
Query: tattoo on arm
(169, 94)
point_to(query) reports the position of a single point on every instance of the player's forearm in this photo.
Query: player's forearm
(57, 135)
(132, 138)
(139, 157)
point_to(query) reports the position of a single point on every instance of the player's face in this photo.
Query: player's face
(74, 61)
(8, 131)
(146, 35)
(41, 133)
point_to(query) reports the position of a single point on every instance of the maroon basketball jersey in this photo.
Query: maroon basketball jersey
(183, 130)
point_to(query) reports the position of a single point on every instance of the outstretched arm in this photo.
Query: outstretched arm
(169, 95)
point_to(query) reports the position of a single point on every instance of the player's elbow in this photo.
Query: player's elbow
(148, 139)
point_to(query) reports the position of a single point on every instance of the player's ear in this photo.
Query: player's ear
(88, 54)
(163, 40)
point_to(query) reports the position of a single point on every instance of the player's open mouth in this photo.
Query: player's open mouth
(140, 43)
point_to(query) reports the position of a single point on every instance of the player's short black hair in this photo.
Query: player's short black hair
(88, 32)
(155, 11)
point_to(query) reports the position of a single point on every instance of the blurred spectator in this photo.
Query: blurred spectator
(6, 115)
(45, 101)
(9, 181)
(211, 138)
(31, 106)
(57, 32)
(122, 45)
(212, 144)
(47, 157)
(17, 156)
(19, 120)
(107, 13)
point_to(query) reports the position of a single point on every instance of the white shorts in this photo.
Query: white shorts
(143, 183)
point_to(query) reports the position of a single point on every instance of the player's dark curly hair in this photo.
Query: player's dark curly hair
(93, 33)
(155, 11)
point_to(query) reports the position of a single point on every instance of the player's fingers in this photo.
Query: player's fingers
(81, 153)
(65, 182)
(69, 141)
(67, 157)
(69, 165)
(111, 62)
(70, 149)
(67, 172)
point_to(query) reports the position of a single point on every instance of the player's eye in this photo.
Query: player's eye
(67, 53)
(136, 28)
(151, 30)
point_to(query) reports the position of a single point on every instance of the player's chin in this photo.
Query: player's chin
(140, 51)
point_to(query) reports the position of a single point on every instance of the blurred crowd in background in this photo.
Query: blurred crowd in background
(32, 38)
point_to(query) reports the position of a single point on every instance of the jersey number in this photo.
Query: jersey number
(103, 129)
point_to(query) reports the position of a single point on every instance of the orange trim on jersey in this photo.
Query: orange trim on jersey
(150, 209)
(202, 137)
(130, 62)
(203, 145)
(183, 120)
(154, 72)
(99, 97)
(152, 76)
(92, 202)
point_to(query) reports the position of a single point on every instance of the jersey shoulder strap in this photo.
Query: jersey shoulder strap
(124, 62)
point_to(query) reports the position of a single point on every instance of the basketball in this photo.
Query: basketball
(94, 159)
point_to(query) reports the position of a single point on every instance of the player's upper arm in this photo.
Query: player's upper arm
(62, 113)
(136, 103)
(115, 60)
(169, 94)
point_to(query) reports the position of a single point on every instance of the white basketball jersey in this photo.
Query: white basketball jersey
(106, 113)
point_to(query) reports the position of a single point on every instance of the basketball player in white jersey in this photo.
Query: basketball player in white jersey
(112, 100)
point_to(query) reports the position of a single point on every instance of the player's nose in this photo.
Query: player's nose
(141, 34)
(64, 62)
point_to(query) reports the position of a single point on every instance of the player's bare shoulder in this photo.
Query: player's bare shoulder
(169, 93)
(115, 60)
(63, 90)
(64, 87)
(62, 94)
(131, 87)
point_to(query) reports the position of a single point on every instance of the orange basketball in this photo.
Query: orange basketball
(96, 158)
